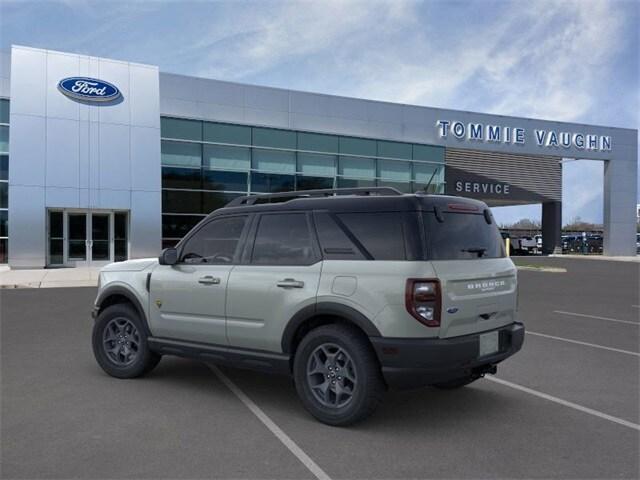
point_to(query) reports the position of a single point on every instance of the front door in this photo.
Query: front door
(81, 238)
(187, 301)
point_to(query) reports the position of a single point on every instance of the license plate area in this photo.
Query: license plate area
(489, 343)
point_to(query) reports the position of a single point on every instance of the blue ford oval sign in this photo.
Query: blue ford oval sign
(89, 89)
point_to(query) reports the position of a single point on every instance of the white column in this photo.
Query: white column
(620, 198)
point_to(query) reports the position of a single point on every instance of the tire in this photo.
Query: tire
(359, 386)
(120, 343)
(457, 383)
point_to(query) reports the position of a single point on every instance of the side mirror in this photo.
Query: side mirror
(169, 256)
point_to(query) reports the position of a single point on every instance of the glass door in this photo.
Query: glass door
(79, 238)
(100, 242)
(77, 242)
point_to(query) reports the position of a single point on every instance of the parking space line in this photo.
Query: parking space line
(271, 425)
(597, 317)
(578, 342)
(566, 403)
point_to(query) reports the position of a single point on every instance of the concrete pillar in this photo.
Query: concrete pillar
(551, 227)
(620, 198)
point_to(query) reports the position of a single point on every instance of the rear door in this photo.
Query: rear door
(279, 276)
(479, 283)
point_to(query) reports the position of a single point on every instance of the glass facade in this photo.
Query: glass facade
(4, 180)
(207, 164)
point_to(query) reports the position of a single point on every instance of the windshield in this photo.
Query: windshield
(462, 236)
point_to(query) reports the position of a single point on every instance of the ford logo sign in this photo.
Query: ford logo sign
(89, 89)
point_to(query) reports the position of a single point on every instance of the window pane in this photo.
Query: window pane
(391, 170)
(4, 251)
(215, 243)
(283, 240)
(394, 150)
(228, 158)
(404, 187)
(120, 243)
(428, 153)
(4, 167)
(179, 128)
(354, 183)
(56, 252)
(314, 164)
(4, 139)
(271, 183)
(4, 194)
(77, 236)
(182, 154)
(334, 242)
(223, 133)
(214, 200)
(425, 172)
(380, 233)
(56, 225)
(218, 180)
(181, 201)
(358, 146)
(274, 161)
(177, 226)
(4, 111)
(318, 143)
(357, 167)
(4, 223)
(270, 137)
(313, 183)
(169, 243)
(174, 177)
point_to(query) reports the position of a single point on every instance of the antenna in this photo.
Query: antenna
(426, 188)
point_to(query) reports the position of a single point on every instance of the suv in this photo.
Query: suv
(350, 291)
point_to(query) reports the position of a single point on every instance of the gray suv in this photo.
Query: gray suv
(350, 291)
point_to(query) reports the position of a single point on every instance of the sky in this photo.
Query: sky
(567, 60)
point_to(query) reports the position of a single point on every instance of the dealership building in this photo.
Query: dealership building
(103, 160)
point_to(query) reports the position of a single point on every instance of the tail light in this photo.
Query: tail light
(423, 302)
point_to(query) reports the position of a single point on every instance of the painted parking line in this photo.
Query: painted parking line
(575, 406)
(587, 344)
(271, 425)
(596, 317)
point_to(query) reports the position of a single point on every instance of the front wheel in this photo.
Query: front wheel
(120, 343)
(337, 375)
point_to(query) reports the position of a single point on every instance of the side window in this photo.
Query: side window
(334, 242)
(381, 234)
(215, 243)
(283, 239)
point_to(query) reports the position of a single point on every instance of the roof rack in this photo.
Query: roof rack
(364, 191)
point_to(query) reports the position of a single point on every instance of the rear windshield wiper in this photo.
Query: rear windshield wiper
(479, 250)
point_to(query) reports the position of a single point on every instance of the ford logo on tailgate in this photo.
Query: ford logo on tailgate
(89, 89)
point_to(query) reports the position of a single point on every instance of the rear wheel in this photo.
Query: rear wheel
(120, 343)
(337, 375)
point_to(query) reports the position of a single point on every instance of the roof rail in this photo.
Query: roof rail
(365, 191)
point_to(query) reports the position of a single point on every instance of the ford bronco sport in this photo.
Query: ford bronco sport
(350, 291)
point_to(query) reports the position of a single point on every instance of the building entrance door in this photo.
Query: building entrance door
(82, 238)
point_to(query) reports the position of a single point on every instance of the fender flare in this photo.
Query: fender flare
(330, 309)
(130, 296)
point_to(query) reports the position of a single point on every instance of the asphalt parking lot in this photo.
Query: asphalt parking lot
(567, 406)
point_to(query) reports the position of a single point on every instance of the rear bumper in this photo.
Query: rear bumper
(417, 362)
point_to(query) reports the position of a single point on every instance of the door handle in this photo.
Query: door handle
(290, 283)
(209, 280)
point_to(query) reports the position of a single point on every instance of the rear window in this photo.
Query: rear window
(462, 236)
